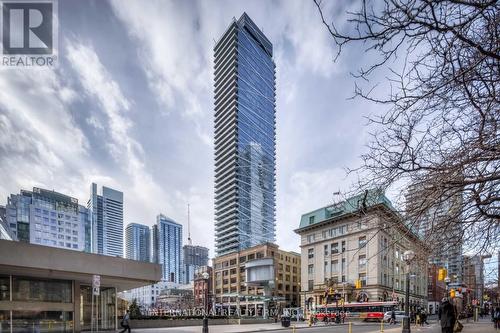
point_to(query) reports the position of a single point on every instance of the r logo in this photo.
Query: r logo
(27, 27)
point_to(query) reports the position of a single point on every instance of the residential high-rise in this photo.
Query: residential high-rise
(194, 257)
(245, 131)
(167, 245)
(48, 218)
(106, 215)
(138, 242)
(437, 221)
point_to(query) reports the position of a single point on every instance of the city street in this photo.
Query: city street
(483, 326)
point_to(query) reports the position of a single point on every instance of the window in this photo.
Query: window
(362, 241)
(31, 289)
(4, 288)
(343, 264)
(326, 250)
(311, 219)
(310, 253)
(362, 262)
(343, 246)
(38, 226)
(310, 238)
(335, 266)
(362, 277)
(310, 285)
(326, 267)
(310, 269)
(335, 248)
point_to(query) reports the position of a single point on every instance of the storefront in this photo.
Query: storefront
(44, 289)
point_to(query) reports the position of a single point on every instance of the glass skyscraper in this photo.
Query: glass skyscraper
(167, 245)
(106, 215)
(48, 218)
(245, 131)
(138, 242)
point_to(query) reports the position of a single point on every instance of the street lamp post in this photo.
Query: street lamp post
(407, 257)
(205, 277)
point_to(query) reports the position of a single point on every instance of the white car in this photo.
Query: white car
(399, 316)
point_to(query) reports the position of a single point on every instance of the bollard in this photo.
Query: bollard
(350, 327)
(293, 329)
(382, 325)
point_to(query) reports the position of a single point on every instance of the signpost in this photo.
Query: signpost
(96, 285)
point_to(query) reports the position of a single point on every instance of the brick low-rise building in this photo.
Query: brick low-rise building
(202, 287)
(233, 291)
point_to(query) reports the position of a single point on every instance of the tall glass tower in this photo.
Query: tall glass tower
(167, 245)
(106, 214)
(138, 242)
(245, 133)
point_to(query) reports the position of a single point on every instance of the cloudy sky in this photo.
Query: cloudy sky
(130, 106)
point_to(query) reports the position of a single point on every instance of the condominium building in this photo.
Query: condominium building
(48, 218)
(138, 242)
(437, 221)
(245, 145)
(361, 239)
(167, 245)
(106, 214)
(238, 288)
(195, 256)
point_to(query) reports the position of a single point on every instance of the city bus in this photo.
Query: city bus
(364, 311)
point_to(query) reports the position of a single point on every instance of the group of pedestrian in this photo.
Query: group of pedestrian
(421, 317)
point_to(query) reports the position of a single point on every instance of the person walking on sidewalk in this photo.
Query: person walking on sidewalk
(496, 318)
(126, 323)
(447, 316)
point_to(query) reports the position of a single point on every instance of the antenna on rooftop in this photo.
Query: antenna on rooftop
(336, 198)
(189, 229)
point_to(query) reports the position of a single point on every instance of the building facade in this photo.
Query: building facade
(167, 245)
(437, 221)
(436, 289)
(473, 278)
(48, 218)
(361, 239)
(245, 145)
(202, 288)
(234, 288)
(138, 242)
(194, 257)
(106, 215)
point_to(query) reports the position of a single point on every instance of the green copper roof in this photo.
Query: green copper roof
(353, 204)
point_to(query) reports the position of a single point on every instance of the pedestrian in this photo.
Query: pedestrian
(425, 315)
(125, 323)
(496, 318)
(447, 316)
(393, 317)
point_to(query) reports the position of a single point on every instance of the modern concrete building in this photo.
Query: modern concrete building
(360, 239)
(245, 145)
(48, 218)
(240, 285)
(195, 256)
(138, 242)
(106, 214)
(5, 232)
(46, 289)
(167, 245)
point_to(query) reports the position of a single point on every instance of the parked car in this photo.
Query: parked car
(399, 316)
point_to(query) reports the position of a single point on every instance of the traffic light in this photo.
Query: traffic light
(357, 284)
(452, 293)
(460, 290)
(442, 273)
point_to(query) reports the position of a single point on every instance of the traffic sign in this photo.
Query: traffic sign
(95, 291)
(96, 281)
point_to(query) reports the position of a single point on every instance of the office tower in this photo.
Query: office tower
(194, 257)
(245, 147)
(5, 232)
(437, 221)
(167, 245)
(48, 218)
(106, 216)
(138, 242)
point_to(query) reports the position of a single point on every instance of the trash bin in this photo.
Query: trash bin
(285, 321)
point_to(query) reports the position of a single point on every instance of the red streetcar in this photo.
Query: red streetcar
(364, 311)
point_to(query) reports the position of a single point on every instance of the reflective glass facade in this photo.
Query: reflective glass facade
(245, 129)
(167, 245)
(138, 242)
